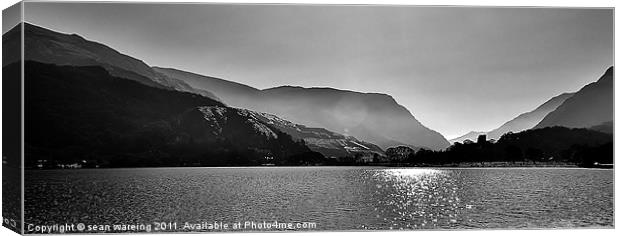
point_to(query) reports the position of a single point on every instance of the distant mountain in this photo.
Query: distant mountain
(590, 106)
(472, 136)
(605, 127)
(77, 113)
(520, 123)
(318, 139)
(530, 119)
(371, 117)
(52, 47)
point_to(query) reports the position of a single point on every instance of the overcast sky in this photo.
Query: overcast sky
(455, 69)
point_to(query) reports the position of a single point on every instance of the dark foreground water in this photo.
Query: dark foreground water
(335, 198)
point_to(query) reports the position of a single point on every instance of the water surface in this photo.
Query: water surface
(336, 198)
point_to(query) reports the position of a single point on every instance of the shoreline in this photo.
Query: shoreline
(399, 165)
(497, 164)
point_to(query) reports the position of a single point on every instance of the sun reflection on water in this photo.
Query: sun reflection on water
(416, 198)
(410, 172)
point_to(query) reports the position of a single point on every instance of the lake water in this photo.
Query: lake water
(335, 198)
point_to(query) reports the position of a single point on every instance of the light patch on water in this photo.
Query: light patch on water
(417, 198)
(412, 172)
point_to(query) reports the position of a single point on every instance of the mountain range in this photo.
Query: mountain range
(207, 116)
(74, 55)
(522, 122)
(590, 107)
(371, 117)
(358, 117)
(80, 113)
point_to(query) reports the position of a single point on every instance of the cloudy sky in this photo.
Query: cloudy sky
(455, 69)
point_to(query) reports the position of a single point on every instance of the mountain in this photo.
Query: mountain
(590, 106)
(371, 117)
(77, 113)
(605, 127)
(241, 129)
(472, 136)
(235, 94)
(63, 49)
(52, 47)
(367, 123)
(320, 140)
(520, 123)
(317, 139)
(529, 119)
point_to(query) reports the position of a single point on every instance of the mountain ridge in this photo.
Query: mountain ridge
(590, 106)
(529, 119)
(571, 110)
(521, 122)
(74, 50)
(84, 113)
(48, 46)
(372, 117)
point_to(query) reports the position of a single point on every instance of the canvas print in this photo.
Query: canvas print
(194, 117)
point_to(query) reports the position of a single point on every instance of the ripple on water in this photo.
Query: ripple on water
(337, 198)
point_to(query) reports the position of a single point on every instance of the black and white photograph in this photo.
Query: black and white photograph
(156, 117)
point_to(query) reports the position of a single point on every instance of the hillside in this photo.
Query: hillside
(529, 119)
(47, 46)
(590, 106)
(370, 117)
(84, 113)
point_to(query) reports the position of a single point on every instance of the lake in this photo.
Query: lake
(335, 198)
